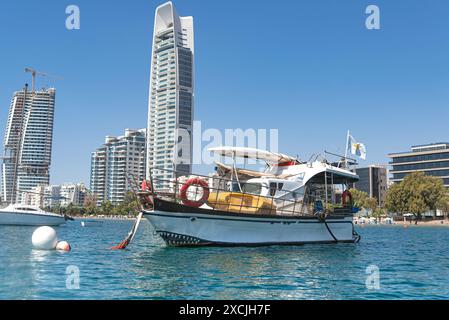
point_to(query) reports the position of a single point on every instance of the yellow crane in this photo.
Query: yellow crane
(35, 73)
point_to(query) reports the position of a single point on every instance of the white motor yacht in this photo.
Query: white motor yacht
(24, 215)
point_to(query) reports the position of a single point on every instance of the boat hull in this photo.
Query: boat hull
(30, 219)
(200, 229)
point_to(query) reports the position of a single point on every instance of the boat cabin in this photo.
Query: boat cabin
(289, 187)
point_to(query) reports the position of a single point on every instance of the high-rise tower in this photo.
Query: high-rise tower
(170, 114)
(117, 166)
(27, 143)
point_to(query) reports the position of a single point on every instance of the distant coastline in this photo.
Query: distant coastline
(406, 224)
(430, 223)
(104, 217)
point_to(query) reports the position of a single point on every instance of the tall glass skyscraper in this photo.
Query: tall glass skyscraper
(27, 143)
(170, 115)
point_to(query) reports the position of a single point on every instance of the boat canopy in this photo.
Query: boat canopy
(319, 171)
(252, 153)
(224, 169)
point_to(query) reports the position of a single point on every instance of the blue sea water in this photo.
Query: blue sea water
(413, 263)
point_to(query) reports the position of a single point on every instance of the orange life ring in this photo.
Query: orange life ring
(346, 194)
(197, 182)
(148, 200)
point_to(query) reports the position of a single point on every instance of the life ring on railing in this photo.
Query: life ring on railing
(344, 196)
(197, 182)
(147, 200)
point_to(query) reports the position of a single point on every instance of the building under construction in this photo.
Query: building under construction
(27, 143)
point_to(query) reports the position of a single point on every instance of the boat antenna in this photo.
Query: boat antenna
(346, 149)
(310, 159)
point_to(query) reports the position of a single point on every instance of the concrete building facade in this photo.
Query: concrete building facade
(57, 195)
(27, 143)
(374, 181)
(118, 165)
(432, 159)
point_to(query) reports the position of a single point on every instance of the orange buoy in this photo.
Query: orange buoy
(63, 246)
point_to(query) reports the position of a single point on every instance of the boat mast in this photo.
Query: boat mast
(346, 149)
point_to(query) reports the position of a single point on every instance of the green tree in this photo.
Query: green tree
(379, 213)
(397, 199)
(69, 209)
(130, 204)
(443, 205)
(370, 204)
(416, 194)
(90, 205)
(359, 198)
(106, 208)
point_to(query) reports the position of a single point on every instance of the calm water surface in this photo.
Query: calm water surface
(413, 264)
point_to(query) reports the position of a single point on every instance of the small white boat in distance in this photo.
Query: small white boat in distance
(24, 215)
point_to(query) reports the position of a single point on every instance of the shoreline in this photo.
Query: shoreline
(105, 217)
(406, 224)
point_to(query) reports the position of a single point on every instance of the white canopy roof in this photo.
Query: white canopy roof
(252, 153)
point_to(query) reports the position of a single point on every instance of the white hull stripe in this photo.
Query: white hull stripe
(226, 218)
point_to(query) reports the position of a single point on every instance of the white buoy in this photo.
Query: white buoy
(44, 238)
(63, 246)
(83, 224)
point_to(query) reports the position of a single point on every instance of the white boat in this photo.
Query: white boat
(285, 205)
(24, 215)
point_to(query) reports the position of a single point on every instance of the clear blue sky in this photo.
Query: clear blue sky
(309, 68)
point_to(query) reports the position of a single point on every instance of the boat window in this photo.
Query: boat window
(253, 188)
(273, 188)
(235, 187)
(298, 194)
(26, 209)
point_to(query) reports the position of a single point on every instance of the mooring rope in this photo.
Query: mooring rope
(356, 236)
(329, 229)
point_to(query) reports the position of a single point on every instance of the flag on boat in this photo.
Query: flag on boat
(356, 148)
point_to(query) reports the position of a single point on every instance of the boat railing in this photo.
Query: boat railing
(217, 194)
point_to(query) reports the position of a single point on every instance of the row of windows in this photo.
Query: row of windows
(420, 166)
(426, 157)
(185, 67)
(436, 173)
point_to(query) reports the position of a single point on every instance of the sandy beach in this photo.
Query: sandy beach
(429, 223)
(102, 217)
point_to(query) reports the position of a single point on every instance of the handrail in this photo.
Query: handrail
(237, 202)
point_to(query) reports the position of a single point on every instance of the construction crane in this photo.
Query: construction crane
(35, 73)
